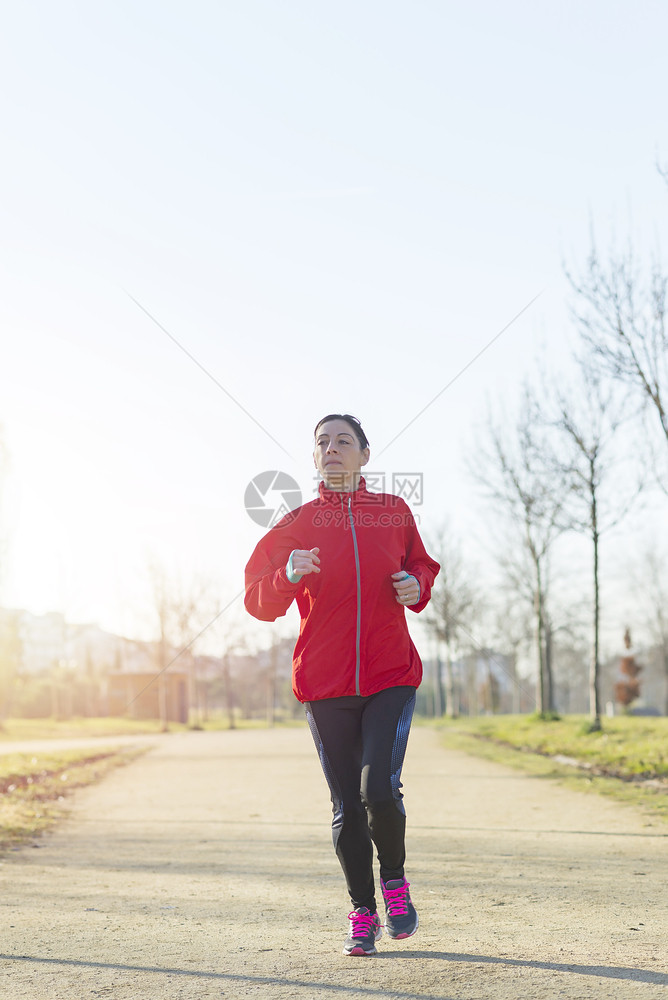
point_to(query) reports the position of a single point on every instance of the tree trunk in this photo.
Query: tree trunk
(162, 686)
(472, 684)
(594, 669)
(195, 695)
(438, 687)
(271, 686)
(451, 707)
(541, 701)
(549, 679)
(491, 685)
(517, 700)
(227, 684)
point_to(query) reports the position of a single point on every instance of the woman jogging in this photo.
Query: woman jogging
(353, 560)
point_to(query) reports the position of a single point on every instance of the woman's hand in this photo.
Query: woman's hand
(407, 588)
(305, 561)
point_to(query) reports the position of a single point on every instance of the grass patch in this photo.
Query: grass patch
(61, 729)
(43, 729)
(627, 759)
(626, 747)
(34, 787)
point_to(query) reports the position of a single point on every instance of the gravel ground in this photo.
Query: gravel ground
(205, 869)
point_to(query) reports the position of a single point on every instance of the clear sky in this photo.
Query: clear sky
(327, 207)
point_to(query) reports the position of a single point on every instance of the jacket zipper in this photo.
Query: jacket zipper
(359, 599)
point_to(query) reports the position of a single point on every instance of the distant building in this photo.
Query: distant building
(42, 641)
(484, 682)
(653, 680)
(92, 650)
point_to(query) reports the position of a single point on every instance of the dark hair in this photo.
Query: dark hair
(354, 423)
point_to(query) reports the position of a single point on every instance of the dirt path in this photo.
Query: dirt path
(205, 869)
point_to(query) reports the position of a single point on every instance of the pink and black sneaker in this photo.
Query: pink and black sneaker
(365, 930)
(401, 919)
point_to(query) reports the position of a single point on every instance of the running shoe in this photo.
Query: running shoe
(365, 930)
(401, 919)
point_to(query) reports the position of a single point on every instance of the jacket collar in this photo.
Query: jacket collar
(338, 496)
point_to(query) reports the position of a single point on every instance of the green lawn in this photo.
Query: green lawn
(627, 759)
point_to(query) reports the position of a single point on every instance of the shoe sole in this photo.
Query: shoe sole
(403, 934)
(358, 950)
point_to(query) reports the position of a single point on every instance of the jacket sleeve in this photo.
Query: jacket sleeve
(418, 562)
(269, 593)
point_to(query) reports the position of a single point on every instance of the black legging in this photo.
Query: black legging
(361, 743)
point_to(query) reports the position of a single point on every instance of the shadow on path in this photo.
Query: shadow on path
(602, 971)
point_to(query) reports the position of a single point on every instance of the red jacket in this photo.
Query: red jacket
(353, 637)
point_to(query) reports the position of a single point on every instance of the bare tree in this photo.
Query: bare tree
(448, 614)
(621, 312)
(516, 471)
(162, 607)
(229, 633)
(588, 416)
(190, 611)
(184, 609)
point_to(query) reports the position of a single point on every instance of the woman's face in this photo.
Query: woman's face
(338, 456)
